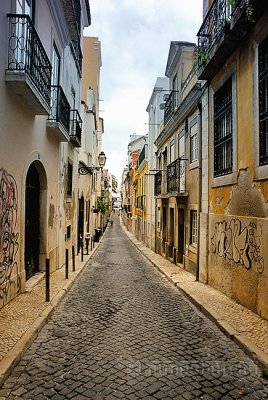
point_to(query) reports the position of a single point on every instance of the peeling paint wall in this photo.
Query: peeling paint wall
(238, 211)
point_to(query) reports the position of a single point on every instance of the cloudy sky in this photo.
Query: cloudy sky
(135, 37)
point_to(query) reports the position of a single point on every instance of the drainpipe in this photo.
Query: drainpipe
(199, 188)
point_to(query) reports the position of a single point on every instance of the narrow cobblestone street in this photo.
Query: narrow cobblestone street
(124, 332)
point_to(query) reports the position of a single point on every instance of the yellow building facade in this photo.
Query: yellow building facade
(141, 180)
(234, 224)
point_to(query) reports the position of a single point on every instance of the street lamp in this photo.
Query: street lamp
(83, 169)
(102, 159)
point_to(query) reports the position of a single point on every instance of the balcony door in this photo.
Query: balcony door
(80, 225)
(180, 235)
(32, 222)
(55, 79)
(22, 35)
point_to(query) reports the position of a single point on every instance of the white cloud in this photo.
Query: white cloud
(135, 38)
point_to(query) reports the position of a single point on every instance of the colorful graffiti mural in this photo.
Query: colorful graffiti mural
(8, 235)
(241, 245)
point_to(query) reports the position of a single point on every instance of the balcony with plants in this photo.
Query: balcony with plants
(28, 70)
(58, 122)
(75, 128)
(225, 25)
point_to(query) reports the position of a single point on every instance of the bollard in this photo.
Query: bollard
(73, 257)
(82, 250)
(47, 280)
(66, 265)
(87, 243)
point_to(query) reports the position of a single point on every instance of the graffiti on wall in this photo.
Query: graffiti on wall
(241, 245)
(8, 233)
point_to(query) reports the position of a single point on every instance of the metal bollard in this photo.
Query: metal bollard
(73, 257)
(66, 265)
(82, 250)
(47, 280)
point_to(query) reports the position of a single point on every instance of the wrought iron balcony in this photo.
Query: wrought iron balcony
(77, 54)
(29, 69)
(75, 128)
(176, 176)
(72, 10)
(77, 14)
(170, 106)
(141, 202)
(226, 24)
(59, 117)
(158, 183)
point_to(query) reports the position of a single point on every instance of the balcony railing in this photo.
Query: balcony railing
(158, 183)
(170, 106)
(77, 53)
(60, 108)
(141, 202)
(212, 28)
(176, 176)
(77, 13)
(224, 27)
(75, 128)
(26, 54)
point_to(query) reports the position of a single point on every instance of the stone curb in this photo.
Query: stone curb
(254, 352)
(8, 363)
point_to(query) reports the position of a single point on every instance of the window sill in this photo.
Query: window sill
(261, 172)
(193, 165)
(192, 248)
(224, 180)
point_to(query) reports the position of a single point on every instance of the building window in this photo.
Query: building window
(223, 130)
(263, 102)
(70, 179)
(193, 143)
(193, 227)
(172, 150)
(158, 217)
(68, 232)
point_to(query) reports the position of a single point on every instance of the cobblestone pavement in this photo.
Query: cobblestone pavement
(124, 332)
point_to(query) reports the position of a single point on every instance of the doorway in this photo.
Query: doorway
(180, 235)
(32, 222)
(81, 204)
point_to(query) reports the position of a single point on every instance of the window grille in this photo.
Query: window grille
(223, 130)
(263, 102)
(193, 232)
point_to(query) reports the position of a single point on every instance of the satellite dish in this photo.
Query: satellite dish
(165, 97)
(162, 106)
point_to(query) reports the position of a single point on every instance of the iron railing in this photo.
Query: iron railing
(170, 106)
(215, 23)
(158, 183)
(77, 53)
(176, 176)
(141, 202)
(27, 54)
(75, 127)
(59, 107)
(77, 14)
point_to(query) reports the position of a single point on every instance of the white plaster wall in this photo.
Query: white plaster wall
(155, 116)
